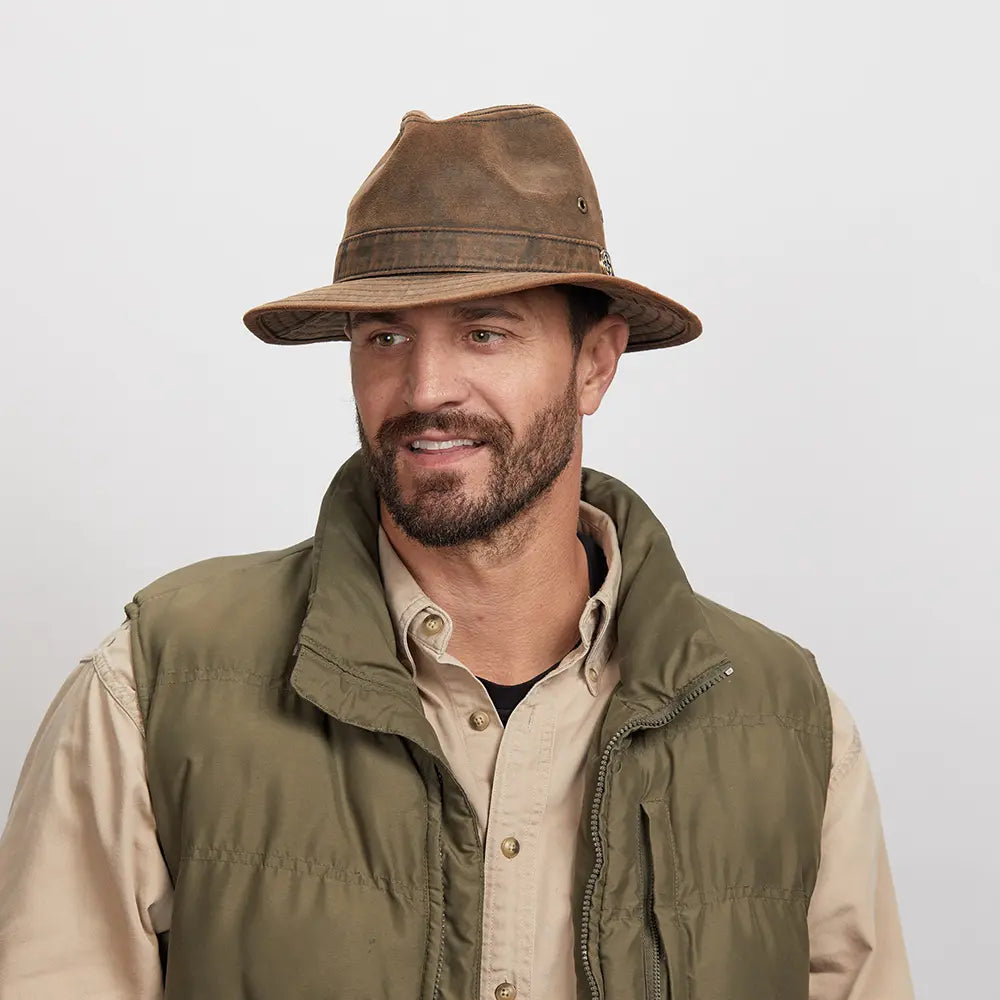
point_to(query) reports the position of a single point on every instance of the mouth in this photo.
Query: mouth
(436, 451)
(422, 445)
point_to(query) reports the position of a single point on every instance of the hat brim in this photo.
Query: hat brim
(321, 313)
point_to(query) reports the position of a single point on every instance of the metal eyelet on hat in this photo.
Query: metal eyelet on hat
(581, 203)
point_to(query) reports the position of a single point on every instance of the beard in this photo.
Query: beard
(441, 512)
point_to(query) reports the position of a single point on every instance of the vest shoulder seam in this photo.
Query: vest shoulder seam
(144, 597)
(711, 607)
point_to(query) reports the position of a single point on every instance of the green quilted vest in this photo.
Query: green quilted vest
(321, 848)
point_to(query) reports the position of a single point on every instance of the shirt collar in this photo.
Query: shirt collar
(417, 619)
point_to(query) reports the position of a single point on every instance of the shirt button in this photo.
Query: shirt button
(509, 847)
(433, 624)
(505, 991)
(479, 720)
(592, 675)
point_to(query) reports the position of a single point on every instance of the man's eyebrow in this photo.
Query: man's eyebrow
(485, 312)
(460, 312)
(389, 318)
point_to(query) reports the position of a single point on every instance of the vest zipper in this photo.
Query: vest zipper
(709, 679)
(440, 964)
(652, 952)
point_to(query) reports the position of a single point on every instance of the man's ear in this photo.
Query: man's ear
(597, 363)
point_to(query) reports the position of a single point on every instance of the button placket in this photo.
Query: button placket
(517, 806)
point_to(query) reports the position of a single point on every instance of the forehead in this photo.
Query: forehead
(517, 307)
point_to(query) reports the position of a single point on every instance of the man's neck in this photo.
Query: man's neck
(516, 600)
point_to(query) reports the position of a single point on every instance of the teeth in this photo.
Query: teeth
(439, 445)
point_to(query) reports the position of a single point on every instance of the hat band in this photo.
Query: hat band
(383, 252)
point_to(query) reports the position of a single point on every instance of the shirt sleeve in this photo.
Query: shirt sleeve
(855, 939)
(84, 888)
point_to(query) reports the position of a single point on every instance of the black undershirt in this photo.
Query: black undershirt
(506, 697)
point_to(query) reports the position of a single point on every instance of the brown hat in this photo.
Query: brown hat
(485, 203)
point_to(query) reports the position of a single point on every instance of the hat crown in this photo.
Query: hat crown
(490, 202)
(513, 169)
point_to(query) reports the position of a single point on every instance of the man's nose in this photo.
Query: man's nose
(433, 377)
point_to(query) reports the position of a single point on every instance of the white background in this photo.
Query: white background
(817, 182)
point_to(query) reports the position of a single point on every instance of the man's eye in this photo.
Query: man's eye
(386, 339)
(484, 336)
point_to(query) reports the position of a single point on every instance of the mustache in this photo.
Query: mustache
(473, 426)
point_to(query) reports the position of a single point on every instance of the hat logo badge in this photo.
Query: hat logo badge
(606, 264)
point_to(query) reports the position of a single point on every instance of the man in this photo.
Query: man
(478, 737)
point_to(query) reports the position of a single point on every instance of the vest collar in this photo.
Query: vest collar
(347, 662)
(664, 641)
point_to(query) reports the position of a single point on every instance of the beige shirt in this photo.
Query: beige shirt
(84, 888)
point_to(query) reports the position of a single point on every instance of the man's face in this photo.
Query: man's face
(467, 413)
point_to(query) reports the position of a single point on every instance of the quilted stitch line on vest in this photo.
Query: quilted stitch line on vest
(249, 678)
(737, 721)
(313, 867)
(731, 893)
(635, 912)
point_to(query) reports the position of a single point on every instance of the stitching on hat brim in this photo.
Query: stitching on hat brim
(320, 314)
